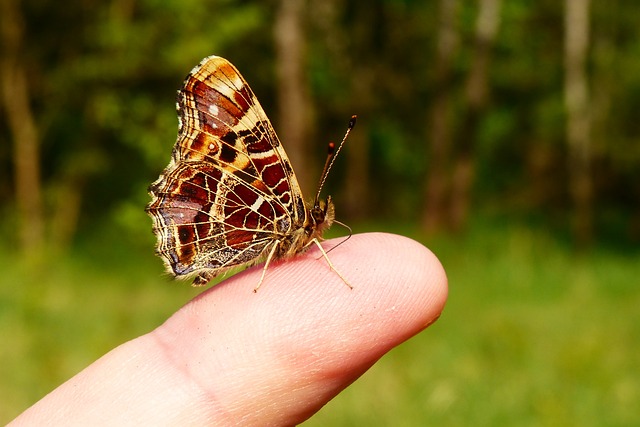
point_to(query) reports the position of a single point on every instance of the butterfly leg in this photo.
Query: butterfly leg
(324, 254)
(266, 265)
(203, 278)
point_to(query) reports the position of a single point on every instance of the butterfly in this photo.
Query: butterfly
(229, 196)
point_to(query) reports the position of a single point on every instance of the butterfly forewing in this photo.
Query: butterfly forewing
(229, 194)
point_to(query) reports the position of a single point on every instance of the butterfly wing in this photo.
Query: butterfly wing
(229, 192)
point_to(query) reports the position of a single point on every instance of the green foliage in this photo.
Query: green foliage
(103, 80)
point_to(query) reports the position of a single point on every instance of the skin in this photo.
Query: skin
(232, 357)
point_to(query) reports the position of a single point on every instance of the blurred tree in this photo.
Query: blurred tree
(20, 117)
(440, 125)
(348, 32)
(452, 166)
(104, 79)
(613, 104)
(294, 110)
(578, 127)
(476, 103)
(95, 83)
(363, 78)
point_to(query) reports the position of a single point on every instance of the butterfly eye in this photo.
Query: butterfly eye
(319, 212)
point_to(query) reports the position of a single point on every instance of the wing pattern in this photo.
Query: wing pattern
(229, 193)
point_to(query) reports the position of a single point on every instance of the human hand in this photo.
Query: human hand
(232, 357)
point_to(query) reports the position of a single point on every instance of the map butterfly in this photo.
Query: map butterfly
(229, 196)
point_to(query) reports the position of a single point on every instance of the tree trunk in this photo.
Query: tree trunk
(294, 110)
(15, 90)
(477, 97)
(439, 132)
(576, 99)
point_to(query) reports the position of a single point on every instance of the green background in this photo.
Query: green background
(542, 326)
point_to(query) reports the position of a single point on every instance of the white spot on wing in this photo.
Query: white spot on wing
(256, 205)
(263, 155)
(213, 109)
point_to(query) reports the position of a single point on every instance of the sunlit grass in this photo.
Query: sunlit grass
(62, 313)
(532, 334)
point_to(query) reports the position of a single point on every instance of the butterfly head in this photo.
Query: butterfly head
(321, 216)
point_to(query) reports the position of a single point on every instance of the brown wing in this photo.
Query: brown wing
(229, 192)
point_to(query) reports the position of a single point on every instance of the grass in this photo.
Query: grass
(532, 333)
(59, 315)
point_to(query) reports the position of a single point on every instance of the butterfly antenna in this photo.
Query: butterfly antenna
(343, 240)
(332, 153)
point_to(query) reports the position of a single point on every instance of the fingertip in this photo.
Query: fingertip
(416, 267)
(305, 335)
(401, 276)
